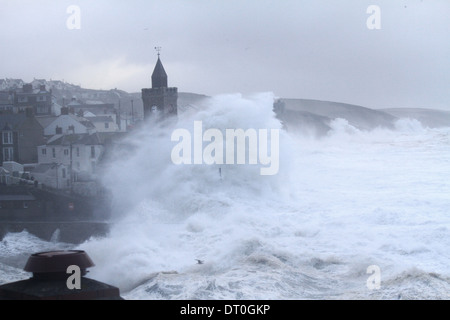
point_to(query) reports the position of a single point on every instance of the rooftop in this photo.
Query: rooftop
(11, 121)
(101, 119)
(45, 120)
(159, 75)
(73, 139)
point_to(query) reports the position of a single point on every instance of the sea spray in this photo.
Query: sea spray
(341, 203)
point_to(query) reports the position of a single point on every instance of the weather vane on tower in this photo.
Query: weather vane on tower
(158, 49)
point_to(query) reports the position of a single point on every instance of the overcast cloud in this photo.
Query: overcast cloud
(317, 49)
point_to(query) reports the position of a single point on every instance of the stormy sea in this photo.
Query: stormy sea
(343, 200)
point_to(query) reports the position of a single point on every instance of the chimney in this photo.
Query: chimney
(27, 88)
(29, 112)
(64, 111)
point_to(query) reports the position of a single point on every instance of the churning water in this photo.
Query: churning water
(338, 205)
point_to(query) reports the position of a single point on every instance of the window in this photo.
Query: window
(92, 152)
(44, 151)
(41, 98)
(8, 154)
(64, 173)
(66, 152)
(54, 152)
(42, 110)
(7, 137)
(78, 151)
(23, 99)
(25, 205)
(78, 166)
(106, 125)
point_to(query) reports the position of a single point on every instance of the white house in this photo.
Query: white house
(14, 83)
(56, 108)
(104, 123)
(12, 166)
(80, 152)
(54, 175)
(37, 83)
(69, 124)
(5, 176)
(56, 84)
(88, 114)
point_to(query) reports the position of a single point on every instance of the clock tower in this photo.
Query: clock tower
(160, 101)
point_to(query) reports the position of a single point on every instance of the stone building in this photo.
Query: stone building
(20, 136)
(160, 101)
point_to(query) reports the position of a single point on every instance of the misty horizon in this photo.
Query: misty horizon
(295, 49)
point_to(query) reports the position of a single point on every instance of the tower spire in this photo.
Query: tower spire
(159, 76)
(160, 101)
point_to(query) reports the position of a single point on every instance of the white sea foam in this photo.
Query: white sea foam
(15, 249)
(338, 205)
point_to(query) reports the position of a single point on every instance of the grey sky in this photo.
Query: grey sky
(317, 49)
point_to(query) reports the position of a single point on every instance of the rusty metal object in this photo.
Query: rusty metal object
(53, 264)
(49, 281)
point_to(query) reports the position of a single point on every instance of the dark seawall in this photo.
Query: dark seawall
(74, 232)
